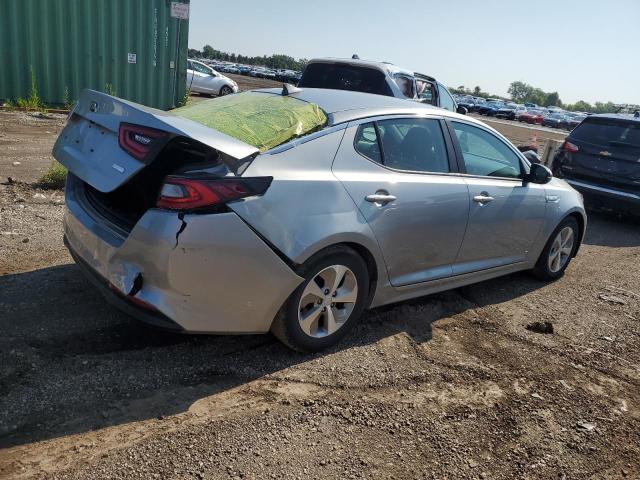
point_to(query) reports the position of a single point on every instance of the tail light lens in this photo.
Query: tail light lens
(189, 193)
(570, 147)
(138, 141)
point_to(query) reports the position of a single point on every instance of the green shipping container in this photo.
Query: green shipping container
(134, 49)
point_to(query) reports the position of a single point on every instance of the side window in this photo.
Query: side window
(406, 85)
(366, 142)
(446, 101)
(425, 91)
(485, 154)
(201, 69)
(413, 144)
(189, 65)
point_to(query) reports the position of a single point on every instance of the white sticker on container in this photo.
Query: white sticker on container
(131, 57)
(180, 10)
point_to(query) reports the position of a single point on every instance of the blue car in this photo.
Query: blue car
(490, 109)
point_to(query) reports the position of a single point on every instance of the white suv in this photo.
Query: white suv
(381, 78)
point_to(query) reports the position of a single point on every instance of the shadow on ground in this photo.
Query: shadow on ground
(71, 363)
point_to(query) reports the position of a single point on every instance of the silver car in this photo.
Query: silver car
(293, 211)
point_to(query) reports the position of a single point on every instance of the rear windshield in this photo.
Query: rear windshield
(344, 77)
(259, 119)
(607, 131)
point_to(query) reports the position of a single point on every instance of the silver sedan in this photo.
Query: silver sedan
(294, 211)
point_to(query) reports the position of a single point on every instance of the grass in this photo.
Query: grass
(33, 102)
(54, 177)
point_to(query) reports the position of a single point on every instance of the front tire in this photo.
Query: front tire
(322, 310)
(226, 90)
(558, 251)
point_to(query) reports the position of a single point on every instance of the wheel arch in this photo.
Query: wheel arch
(582, 227)
(373, 265)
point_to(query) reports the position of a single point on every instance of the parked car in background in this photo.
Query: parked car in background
(600, 158)
(532, 116)
(573, 122)
(507, 111)
(477, 103)
(380, 78)
(490, 108)
(530, 105)
(203, 79)
(555, 120)
(166, 216)
(520, 109)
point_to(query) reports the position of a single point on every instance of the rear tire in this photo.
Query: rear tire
(312, 319)
(558, 251)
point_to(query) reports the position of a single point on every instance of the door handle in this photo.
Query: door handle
(483, 198)
(380, 198)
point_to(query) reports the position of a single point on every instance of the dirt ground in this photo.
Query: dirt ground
(448, 386)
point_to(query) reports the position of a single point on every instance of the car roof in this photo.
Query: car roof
(384, 67)
(344, 105)
(616, 116)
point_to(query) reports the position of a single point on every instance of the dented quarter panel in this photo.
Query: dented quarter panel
(306, 194)
(217, 276)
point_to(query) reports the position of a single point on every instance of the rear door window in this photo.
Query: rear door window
(407, 144)
(608, 132)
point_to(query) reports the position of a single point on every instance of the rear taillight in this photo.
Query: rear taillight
(570, 147)
(189, 193)
(138, 141)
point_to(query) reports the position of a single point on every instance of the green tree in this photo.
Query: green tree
(580, 106)
(477, 90)
(520, 91)
(552, 100)
(207, 51)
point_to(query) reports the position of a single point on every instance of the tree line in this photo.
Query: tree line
(272, 61)
(521, 92)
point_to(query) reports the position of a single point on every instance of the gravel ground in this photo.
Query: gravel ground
(447, 386)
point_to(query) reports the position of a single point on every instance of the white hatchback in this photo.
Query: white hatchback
(203, 79)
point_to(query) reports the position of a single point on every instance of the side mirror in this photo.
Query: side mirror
(538, 173)
(462, 110)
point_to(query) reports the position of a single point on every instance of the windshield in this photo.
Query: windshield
(344, 77)
(258, 119)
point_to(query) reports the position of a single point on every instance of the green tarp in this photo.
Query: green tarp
(258, 119)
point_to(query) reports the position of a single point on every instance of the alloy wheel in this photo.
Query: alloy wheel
(327, 301)
(561, 249)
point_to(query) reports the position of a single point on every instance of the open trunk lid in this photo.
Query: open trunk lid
(90, 145)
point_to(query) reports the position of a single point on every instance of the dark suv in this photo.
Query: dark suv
(601, 159)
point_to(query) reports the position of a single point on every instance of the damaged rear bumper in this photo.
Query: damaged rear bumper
(201, 274)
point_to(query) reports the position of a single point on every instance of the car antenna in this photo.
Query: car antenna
(288, 89)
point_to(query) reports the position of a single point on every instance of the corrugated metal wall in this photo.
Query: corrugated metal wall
(76, 44)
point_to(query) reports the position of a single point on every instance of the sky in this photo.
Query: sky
(585, 50)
